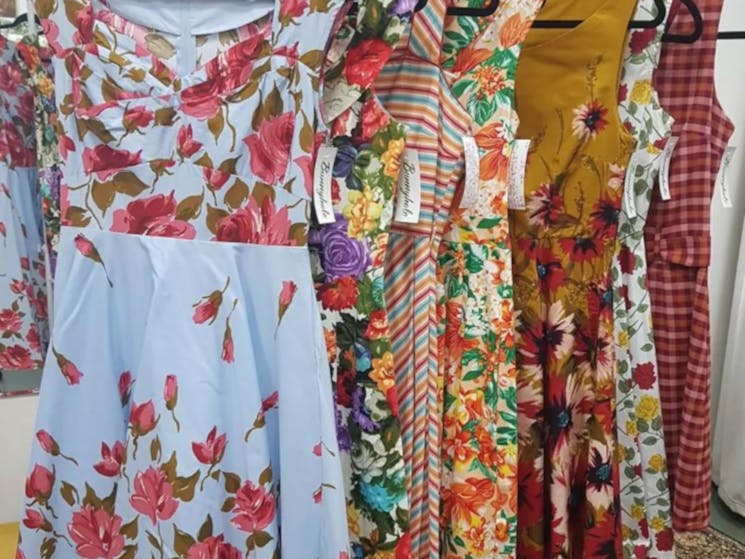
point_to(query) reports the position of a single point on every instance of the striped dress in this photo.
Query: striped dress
(414, 90)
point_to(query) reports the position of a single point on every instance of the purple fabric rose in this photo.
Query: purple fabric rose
(360, 413)
(403, 7)
(344, 162)
(341, 255)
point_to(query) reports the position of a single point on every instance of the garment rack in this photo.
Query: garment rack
(729, 35)
(570, 24)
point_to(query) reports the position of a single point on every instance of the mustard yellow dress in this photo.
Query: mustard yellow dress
(563, 244)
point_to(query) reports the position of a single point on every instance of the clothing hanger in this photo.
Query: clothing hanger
(727, 35)
(474, 12)
(698, 26)
(18, 21)
(570, 24)
(420, 5)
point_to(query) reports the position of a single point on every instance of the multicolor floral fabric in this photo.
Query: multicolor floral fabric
(23, 301)
(189, 324)
(414, 89)
(36, 65)
(645, 497)
(563, 245)
(477, 346)
(348, 258)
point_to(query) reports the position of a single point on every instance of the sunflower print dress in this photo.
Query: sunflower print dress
(563, 245)
(645, 496)
(477, 348)
(348, 259)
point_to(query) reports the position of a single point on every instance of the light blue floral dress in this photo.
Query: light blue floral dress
(186, 406)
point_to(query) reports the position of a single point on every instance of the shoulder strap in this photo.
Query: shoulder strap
(427, 30)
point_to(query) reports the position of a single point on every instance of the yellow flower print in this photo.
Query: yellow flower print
(392, 157)
(353, 519)
(625, 533)
(382, 372)
(653, 149)
(383, 554)
(363, 213)
(657, 463)
(623, 339)
(46, 86)
(648, 408)
(658, 524)
(637, 512)
(631, 428)
(620, 453)
(641, 93)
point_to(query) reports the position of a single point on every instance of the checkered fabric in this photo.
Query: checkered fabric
(679, 249)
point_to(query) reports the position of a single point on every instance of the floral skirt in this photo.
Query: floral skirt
(186, 406)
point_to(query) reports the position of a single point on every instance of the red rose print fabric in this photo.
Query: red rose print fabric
(23, 293)
(186, 407)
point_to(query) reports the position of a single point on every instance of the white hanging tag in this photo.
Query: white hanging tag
(471, 186)
(628, 188)
(518, 166)
(722, 178)
(323, 175)
(409, 194)
(667, 157)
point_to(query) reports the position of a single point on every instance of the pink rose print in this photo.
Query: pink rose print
(71, 373)
(125, 387)
(270, 148)
(212, 450)
(289, 288)
(228, 350)
(170, 395)
(137, 117)
(39, 484)
(215, 178)
(10, 78)
(153, 495)
(186, 145)
(96, 533)
(142, 418)
(50, 446)
(213, 547)
(270, 402)
(10, 321)
(111, 459)
(88, 249)
(154, 216)
(16, 358)
(18, 286)
(263, 225)
(291, 9)
(365, 60)
(105, 161)
(34, 520)
(254, 508)
(202, 101)
(33, 339)
(209, 306)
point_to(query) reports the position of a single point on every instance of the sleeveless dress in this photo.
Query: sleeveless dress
(477, 347)
(415, 91)
(645, 497)
(678, 238)
(23, 301)
(186, 406)
(563, 245)
(348, 258)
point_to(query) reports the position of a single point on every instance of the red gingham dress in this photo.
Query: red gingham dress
(679, 249)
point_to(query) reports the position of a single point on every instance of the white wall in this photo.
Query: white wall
(727, 223)
(16, 432)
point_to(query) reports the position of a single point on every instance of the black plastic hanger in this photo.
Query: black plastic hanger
(698, 26)
(728, 35)
(474, 12)
(23, 18)
(420, 5)
(569, 23)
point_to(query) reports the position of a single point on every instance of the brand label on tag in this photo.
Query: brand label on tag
(667, 157)
(628, 188)
(518, 165)
(409, 194)
(722, 180)
(322, 179)
(471, 186)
